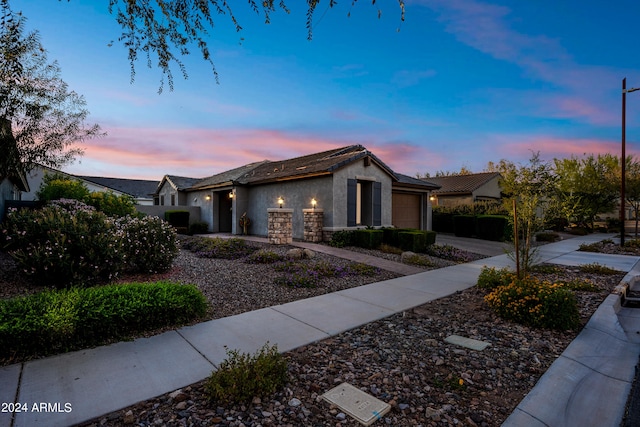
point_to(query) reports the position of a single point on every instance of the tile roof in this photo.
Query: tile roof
(135, 187)
(462, 184)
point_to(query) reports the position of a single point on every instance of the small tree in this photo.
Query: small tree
(57, 186)
(530, 187)
(45, 118)
(587, 187)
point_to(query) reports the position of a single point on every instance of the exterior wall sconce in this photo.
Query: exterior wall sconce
(207, 197)
(432, 198)
(231, 195)
(314, 202)
(280, 201)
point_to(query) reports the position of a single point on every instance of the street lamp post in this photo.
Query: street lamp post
(623, 160)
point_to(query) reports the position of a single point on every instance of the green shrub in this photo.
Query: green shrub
(368, 239)
(547, 236)
(491, 277)
(442, 222)
(414, 241)
(263, 256)
(582, 285)
(198, 227)
(150, 244)
(493, 227)
(303, 275)
(216, 247)
(596, 268)
(419, 260)
(633, 243)
(65, 243)
(430, 237)
(178, 218)
(51, 322)
(342, 238)
(241, 376)
(534, 303)
(388, 249)
(58, 186)
(464, 225)
(111, 204)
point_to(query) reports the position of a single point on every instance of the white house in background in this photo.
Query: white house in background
(141, 190)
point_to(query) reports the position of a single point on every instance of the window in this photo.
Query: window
(162, 200)
(364, 203)
(173, 200)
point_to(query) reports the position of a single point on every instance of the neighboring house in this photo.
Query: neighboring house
(13, 182)
(141, 190)
(351, 185)
(12, 187)
(458, 190)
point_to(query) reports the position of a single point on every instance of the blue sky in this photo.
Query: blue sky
(459, 83)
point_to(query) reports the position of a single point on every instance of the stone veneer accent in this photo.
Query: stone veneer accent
(313, 223)
(280, 226)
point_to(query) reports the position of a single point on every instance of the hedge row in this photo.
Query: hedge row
(487, 227)
(57, 321)
(404, 238)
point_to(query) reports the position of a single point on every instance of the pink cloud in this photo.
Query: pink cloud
(152, 153)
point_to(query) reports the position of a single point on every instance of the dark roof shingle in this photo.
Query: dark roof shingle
(462, 184)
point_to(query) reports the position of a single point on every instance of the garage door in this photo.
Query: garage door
(406, 210)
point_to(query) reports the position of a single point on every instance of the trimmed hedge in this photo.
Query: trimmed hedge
(414, 241)
(369, 239)
(464, 225)
(443, 222)
(177, 219)
(493, 227)
(52, 322)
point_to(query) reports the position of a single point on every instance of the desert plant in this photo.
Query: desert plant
(534, 303)
(198, 227)
(596, 268)
(149, 244)
(242, 376)
(418, 260)
(216, 247)
(491, 277)
(264, 256)
(65, 243)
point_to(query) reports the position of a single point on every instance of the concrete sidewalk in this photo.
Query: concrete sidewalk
(82, 385)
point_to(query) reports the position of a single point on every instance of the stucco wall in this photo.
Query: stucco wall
(194, 211)
(490, 189)
(297, 195)
(358, 170)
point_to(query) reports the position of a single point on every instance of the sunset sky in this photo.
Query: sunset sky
(459, 83)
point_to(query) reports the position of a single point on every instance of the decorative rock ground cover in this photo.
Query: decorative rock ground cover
(403, 360)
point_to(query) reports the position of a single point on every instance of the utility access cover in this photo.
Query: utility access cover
(365, 408)
(467, 342)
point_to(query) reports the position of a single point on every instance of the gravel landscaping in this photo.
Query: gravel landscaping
(403, 359)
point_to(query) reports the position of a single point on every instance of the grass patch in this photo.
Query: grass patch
(419, 260)
(305, 275)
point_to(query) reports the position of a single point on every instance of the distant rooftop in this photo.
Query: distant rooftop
(461, 184)
(138, 188)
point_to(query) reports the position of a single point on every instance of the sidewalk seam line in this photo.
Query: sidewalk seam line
(198, 351)
(304, 323)
(15, 398)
